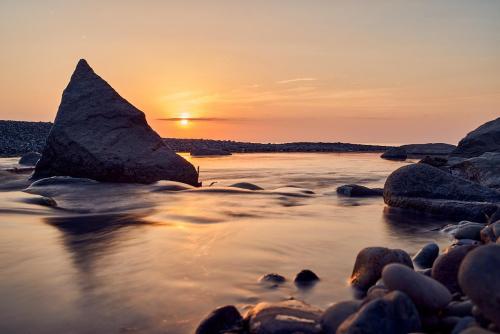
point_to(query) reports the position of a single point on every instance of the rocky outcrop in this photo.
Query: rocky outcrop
(428, 189)
(485, 138)
(395, 153)
(97, 134)
(484, 169)
(428, 149)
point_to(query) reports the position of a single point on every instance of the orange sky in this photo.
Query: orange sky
(268, 71)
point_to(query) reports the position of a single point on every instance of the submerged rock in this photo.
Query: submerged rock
(97, 134)
(370, 262)
(395, 313)
(272, 279)
(428, 189)
(446, 266)
(354, 190)
(426, 256)
(425, 292)
(246, 185)
(485, 138)
(484, 169)
(291, 316)
(220, 320)
(395, 153)
(479, 278)
(30, 159)
(306, 277)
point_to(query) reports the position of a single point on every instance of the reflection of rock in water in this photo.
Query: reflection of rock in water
(89, 237)
(405, 222)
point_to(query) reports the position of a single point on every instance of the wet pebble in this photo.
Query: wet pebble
(336, 314)
(425, 257)
(306, 277)
(445, 268)
(220, 320)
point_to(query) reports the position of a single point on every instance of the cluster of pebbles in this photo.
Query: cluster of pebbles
(453, 291)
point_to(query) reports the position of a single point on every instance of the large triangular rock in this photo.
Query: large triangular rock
(97, 134)
(485, 138)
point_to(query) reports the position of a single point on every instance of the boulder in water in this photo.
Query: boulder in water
(354, 190)
(485, 138)
(395, 153)
(97, 134)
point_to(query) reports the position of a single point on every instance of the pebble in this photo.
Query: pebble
(222, 319)
(425, 257)
(425, 292)
(336, 314)
(445, 268)
(306, 277)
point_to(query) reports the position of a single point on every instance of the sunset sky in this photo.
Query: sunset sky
(267, 71)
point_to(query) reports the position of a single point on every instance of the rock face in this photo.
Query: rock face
(395, 153)
(485, 138)
(97, 134)
(478, 278)
(429, 149)
(290, 316)
(428, 189)
(354, 190)
(484, 169)
(395, 313)
(370, 262)
(425, 292)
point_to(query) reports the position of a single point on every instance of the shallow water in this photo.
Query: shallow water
(138, 259)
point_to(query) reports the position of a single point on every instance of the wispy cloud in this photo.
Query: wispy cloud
(287, 81)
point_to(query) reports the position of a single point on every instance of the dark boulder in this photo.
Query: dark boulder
(97, 134)
(484, 169)
(479, 278)
(306, 277)
(246, 185)
(336, 314)
(354, 190)
(221, 320)
(428, 189)
(395, 313)
(30, 159)
(370, 262)
(485, 138)
(395, 153)
(425, 257)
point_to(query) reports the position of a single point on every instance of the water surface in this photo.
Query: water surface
(132, 259)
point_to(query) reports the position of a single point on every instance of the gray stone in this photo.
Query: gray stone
(246, 185)
(291, 316)
(370, 262)
(479, 278)
(30, 159)
(97, 134)
(446, 266)
(485, 138)
(221, 320)
(428, 189)
(426, 256)
(336, 314)
(425, 292)
(484, 169)
(395, 313)
(470, 231)
(395, 153)
(354, 190)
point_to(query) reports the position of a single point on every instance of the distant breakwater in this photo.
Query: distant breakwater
(19, 137)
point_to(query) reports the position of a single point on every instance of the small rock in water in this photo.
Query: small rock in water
(425, 292)
(220, 320)
(446, 266)
(30, 159)
(246, 185)
(272, 278)
(469, 230)
(479, 278)
(306, 277)
(426, 256)
(395, 153)
(393, 314)
(336, 314)
(354, 190)
(370, 262)
(291, 316)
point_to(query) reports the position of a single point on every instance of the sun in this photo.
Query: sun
(184, 121)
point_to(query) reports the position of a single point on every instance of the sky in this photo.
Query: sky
(266, 71)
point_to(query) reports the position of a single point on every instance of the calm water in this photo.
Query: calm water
(127, 259)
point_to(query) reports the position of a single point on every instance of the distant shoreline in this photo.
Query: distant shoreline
(20, 137)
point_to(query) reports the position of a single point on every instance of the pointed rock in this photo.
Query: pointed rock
(97, 134)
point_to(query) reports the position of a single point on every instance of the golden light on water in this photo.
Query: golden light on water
(184, 122)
